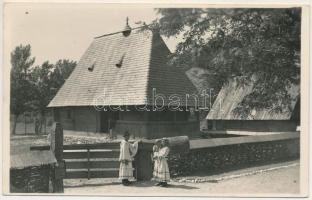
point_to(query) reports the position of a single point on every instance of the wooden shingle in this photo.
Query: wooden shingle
(143, 57)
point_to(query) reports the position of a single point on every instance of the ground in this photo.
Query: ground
(275, 179)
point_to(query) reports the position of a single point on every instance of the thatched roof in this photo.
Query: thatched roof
(232, 94)
(31, 159)
(142, 56)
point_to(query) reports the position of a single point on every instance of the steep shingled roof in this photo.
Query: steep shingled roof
(143, 56)
(232, 94)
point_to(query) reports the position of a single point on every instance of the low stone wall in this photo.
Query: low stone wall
(213, 155)
(256, 125)
(30, 179)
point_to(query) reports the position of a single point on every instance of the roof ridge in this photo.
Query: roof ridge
(114, 33)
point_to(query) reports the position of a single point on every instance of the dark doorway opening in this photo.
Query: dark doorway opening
(108, 120)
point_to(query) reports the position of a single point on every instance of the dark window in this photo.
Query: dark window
(209, 124)
(69, 114)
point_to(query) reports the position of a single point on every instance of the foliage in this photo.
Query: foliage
(240, 43)
(48, 79)
(32, 88)
(21, 86)
(62, 70)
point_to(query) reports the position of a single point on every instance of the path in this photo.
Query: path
(282, 178)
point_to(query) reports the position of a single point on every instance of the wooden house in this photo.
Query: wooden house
(118, 76)
(222, 116)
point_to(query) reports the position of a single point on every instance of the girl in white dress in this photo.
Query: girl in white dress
(155, 158)
(163, 175)
(127, 153)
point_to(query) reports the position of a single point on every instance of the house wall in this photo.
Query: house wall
(66, 121)
(157, 129)
(132, 116)
(254, 125)
(156, 124)
(86, 121)
(78, 119)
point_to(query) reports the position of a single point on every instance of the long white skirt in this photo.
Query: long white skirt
(125, 171)
(163, 171)
(155, 171)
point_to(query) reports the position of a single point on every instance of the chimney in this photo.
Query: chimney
(127, 30)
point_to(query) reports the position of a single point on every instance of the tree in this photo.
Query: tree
(48, 79)
(242, 43)
(21, 87)
(62, 70)
(41, 78)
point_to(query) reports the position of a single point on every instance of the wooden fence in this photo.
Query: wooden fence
(90, 160)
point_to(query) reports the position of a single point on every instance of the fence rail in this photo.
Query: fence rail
(90, 154)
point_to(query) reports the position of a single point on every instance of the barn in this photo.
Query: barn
(123, 83)
(223, 115)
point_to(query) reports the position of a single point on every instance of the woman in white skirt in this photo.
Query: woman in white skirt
(163, 175)
(127, 152)
(155, 158)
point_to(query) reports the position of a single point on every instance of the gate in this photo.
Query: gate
(98, 160)
(91, 160)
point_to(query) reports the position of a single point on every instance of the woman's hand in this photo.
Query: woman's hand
(125, 162)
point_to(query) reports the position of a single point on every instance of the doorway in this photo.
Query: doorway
(108, 120)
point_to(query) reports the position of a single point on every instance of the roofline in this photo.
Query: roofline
(120, 31)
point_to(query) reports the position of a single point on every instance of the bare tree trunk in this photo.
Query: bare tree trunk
(45, 125)
(14, 124)
(40, 127)
(25, 123)
(42, 119)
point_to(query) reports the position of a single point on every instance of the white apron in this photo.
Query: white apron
(156, 164)
(163, 174)
(127, 152)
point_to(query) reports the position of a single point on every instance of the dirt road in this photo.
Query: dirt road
(282, 180)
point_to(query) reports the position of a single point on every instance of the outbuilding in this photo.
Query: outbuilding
(225, 116)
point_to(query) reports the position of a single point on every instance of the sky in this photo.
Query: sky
(64, 31)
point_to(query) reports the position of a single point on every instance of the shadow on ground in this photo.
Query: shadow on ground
(91, 185)
(152, 184)
(182, 187)
(134, 184)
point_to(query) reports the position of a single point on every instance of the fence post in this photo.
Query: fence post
(57, 149)
(143, 161)
(88, 153)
